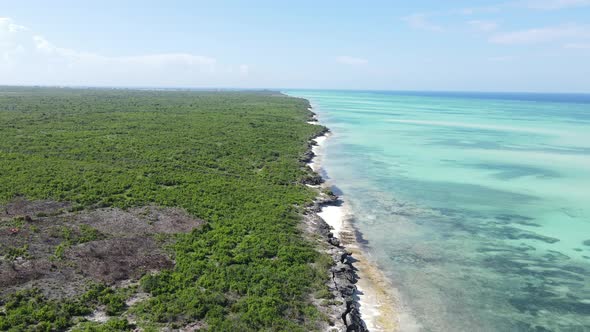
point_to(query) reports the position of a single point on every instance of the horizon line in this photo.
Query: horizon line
(213, 88)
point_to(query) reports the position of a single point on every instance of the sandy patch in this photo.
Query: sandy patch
(317, 150)
(334, 216)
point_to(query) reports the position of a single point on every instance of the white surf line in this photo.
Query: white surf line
(317, 149)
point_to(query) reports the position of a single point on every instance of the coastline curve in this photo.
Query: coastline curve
(370, 298)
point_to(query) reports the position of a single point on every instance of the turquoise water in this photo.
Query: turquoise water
(477, 206)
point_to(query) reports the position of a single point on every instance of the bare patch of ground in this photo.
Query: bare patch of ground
(23, 207)
(44, 244)
(118, 259)
(146, 220)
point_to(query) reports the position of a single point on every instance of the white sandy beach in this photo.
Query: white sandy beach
(317, 150)
(334, 216)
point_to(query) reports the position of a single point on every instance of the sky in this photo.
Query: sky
(451, 45)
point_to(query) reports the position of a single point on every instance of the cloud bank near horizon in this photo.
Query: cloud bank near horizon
(27, 58)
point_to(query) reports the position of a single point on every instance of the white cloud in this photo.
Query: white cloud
(29, 58)
(555, 4)
(421, 22)
(7, 25)
(543, 35)
(486, 26)
(349, 60)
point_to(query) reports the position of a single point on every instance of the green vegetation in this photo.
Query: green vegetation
(113, 300)
(13, 252)
(113, 324)
(30, 310)
(231, 159)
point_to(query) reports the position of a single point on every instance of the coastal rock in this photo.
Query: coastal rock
(344, 275)
(308, 156)
(352, 318)
(346, 257)
(323, 228)
(334, 241)
(313, 180)
(322, 132)
(343, 272)
(327, 200)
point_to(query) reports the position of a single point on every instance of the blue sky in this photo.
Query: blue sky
(515, 45)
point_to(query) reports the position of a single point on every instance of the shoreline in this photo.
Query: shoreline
(368, 295)
(377, 301)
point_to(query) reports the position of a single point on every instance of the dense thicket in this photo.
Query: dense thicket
(230, 158)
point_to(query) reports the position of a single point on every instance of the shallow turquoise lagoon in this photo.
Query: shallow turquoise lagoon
(476, 205)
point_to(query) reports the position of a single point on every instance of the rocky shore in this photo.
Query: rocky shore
(343, 273)
(343, 309)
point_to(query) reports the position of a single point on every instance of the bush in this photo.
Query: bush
(231, 159)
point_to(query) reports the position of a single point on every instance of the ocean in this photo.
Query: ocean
(475, 205)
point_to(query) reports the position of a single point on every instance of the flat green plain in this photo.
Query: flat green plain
(231, 159)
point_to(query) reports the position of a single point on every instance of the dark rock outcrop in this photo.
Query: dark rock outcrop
(313, 180)
(343, 273)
